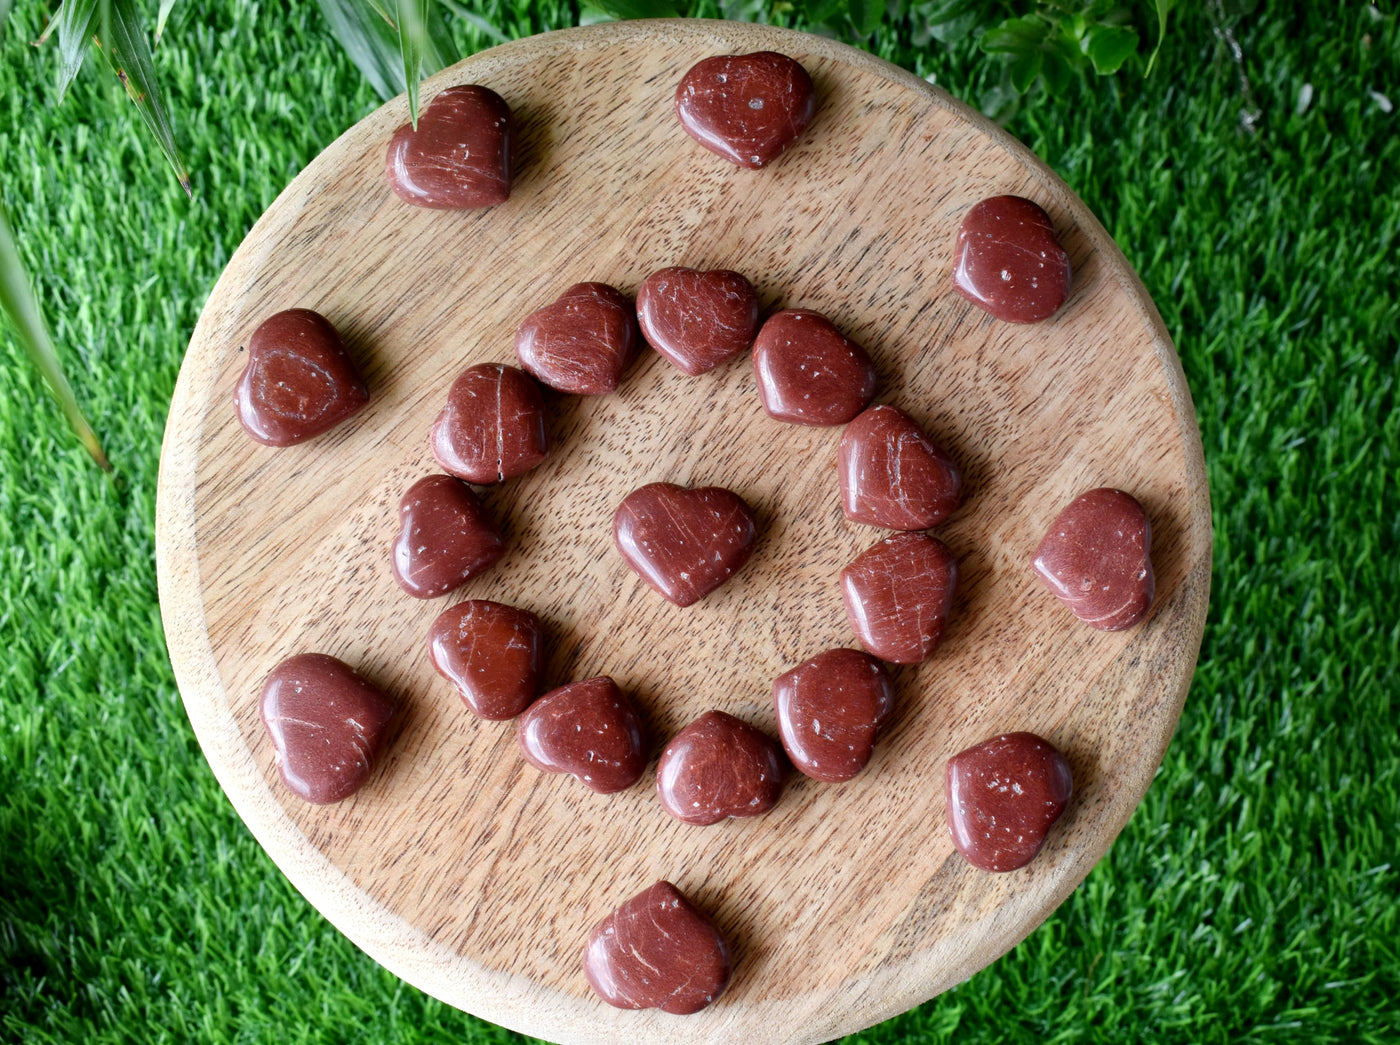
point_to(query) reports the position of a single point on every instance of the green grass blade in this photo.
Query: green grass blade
(369, 40)
(475, 20)
(17, 300)
(166, 6)
(621, 9)
(4, 16)
(413, 34)
(73, 21)
(1162, 9)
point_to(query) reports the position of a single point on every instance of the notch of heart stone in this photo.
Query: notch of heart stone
(684, 543)
(461, 155)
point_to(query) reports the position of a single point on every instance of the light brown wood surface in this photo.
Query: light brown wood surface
(460, 867)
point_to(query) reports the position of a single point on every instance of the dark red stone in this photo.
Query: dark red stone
(747, 108)
(829, 709)
(1097, 559)
(589, 730)
(808, 372)
(898, 596)
(1009, 262)
(299, 381)
(1003, 796)
(460, 156)
(893, 475)
(719, 767)
(657, 951)
(492, 427)
(583, 342)
(697, 320)
(445, 537)
(684, 542)
(328, 726)
(491, 653)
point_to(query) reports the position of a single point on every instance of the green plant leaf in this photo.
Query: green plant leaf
(823, 11)
(73, 20)
(1015, 35)
(621, 9)
(1162, 8)
(166, 6)
(866, 15)
(370, 41)
(950, 22)
(1109, 46)
(475, 20)
(425, 44)
(17, 301)
(1024, 69)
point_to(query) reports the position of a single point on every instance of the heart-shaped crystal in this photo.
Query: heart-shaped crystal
(491, 653)
(747, 108)
(829, 709)
(445, 537)
(1003, 796)
(893, 475)
(589, 730)
(1009, 261)
(719, 767)
(1096, 558)
(492, 427)
(582, 342)
(461, 154)
(684, 542)
(898, 596)
(808, 372)
(697, 319)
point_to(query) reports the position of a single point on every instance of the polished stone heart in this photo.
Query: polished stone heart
(461, 154)
(1003, 796)
(719, 767)
(684, 542)
(583, 342)
(657, 951)
(892, 475)
(808, 372)
(747, 108)
(1096, 558)
(492, 427)
(829, 710)
(697, 320)
(589, 730)
(328, 726)
(299, 381)
(491, 653)
(899, 594)
(1008, 261)
(445, 537)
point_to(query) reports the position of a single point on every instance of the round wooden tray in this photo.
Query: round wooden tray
(461, 868)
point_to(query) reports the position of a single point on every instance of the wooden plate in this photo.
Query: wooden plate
(461, 868)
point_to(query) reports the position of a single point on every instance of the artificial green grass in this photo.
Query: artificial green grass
(1253, 895)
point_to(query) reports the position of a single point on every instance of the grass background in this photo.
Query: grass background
(1253, 897)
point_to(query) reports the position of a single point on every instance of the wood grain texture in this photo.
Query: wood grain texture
(461, 868)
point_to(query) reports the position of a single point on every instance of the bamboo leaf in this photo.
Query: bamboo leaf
(73, 20)
(17, 300)
(165, 8)
(370, 41)
(413, 33)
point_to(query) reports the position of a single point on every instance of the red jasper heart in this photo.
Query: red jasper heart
(589, 730)
(445, 537)
(1009, 261)
(583, 342)
(898, 595)
(299, 381)
(491, 653)
(1003, 797)
(492, 427)
(808, 372)
(747, 108)
(1096, 558)
(893, 475)
(461, 154)
(697, 320)
(684, 542)
(829, 710)
(719, 767)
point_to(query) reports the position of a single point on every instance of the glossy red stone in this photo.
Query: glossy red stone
(697, 320)
(445, 537)
(460, 156)
(492, 427)
(299, 381)
(1096, 558)
(1009, 262)
(719, 767)
(657, 951)
(747, 108)
(583, 342)
(892, 475)
(491, 653)
(1003, 796)
(328, 726)
(589, 730)
(808, 372)
(899, 594)
(829, 710)
(684, 542)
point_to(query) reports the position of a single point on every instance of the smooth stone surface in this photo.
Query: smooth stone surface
(719, 767)
(1003, 796)
(747, 108)
(492, 427)
(1096, 558)
(657, 951)
(829, 710)
(1009, 262)
(299, 380)
(582, 342)
(445, 537)
(696, 319)
(808, 372)
(684, 542)
(892, 475)
(589, 730)
(328, 725)
(461, 155)
(898, 595)
(491, 653)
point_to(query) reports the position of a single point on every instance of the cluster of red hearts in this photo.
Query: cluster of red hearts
(328, 724)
